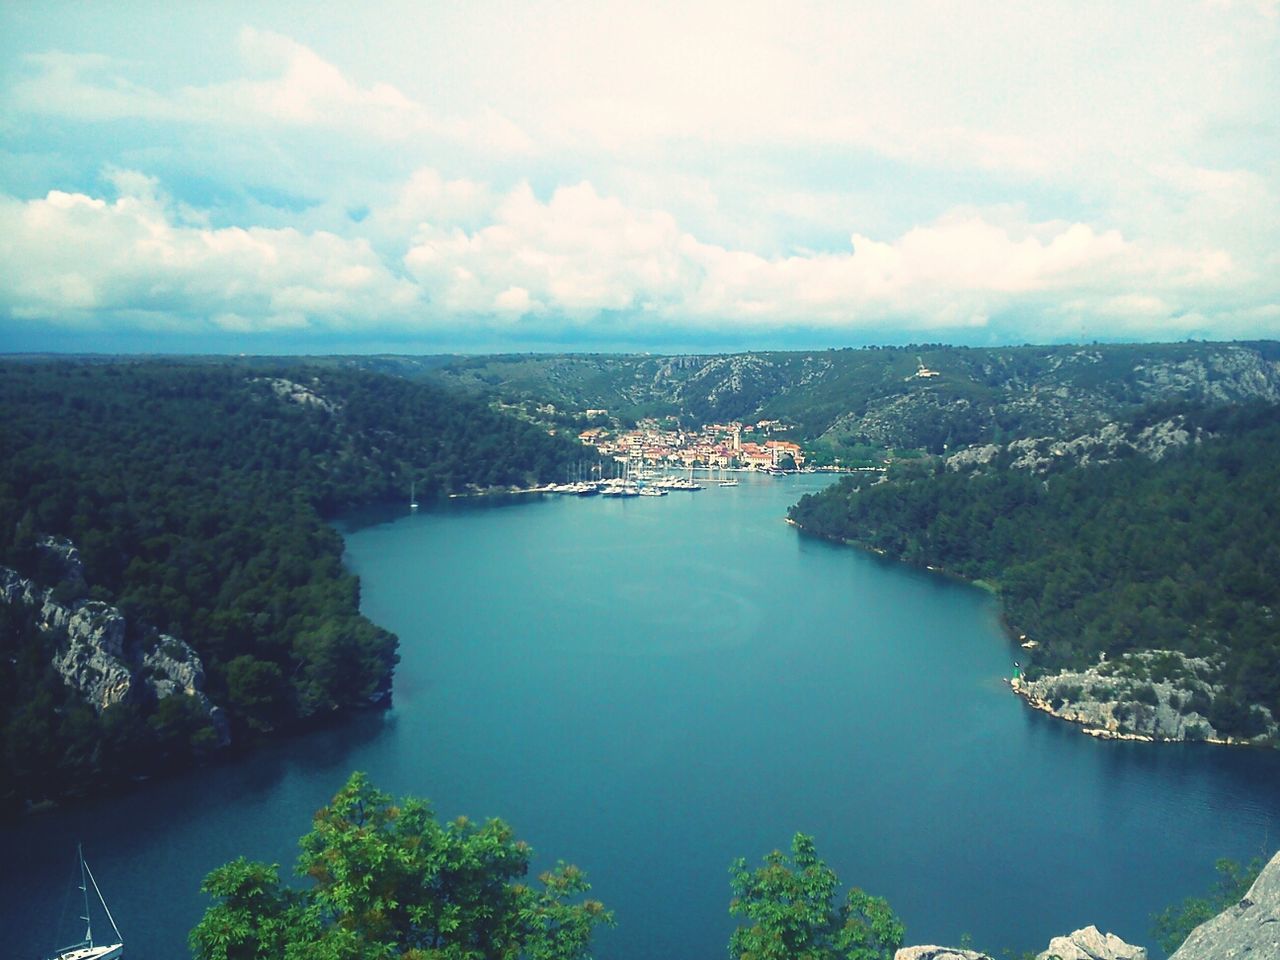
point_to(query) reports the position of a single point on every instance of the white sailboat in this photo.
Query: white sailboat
(86, 949)
(413, 495)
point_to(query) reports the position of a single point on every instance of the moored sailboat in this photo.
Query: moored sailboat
(86, 949)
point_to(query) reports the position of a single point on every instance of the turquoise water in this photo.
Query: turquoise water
(650, 688)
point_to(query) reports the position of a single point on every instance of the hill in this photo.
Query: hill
(169, 576)
(1141, 562)
(842, 400)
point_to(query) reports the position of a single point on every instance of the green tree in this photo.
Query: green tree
(256, 691)
(1172, 925)
(254, 916)
(388, 881)
(790, 902)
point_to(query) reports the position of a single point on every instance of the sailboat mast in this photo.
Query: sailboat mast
(101, 899)
(84, 888)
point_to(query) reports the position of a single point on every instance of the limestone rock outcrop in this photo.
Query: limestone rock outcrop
(90, 656)
(1108, 443)
(1090, 943)
(64, 556)
(173, 667)
(300, 394)
(91, 650)
(938, 953)
(1151, 695)
(1249, 930)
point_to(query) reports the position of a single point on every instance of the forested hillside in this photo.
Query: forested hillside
(198, 496)
(848, 400)
(1180, 553)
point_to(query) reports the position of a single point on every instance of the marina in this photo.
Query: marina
(653, 482)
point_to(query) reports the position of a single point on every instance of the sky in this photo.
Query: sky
(289, 177)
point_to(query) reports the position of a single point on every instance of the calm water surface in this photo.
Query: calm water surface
(650, 688)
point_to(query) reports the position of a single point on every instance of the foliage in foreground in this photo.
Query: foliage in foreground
(388, 881)
(1172, 925)
(790, 902)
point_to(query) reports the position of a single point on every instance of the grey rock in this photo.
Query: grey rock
(298, 393)
(1249, 930)
(91, 651)
(90, 656)
(1111, 698)
(1227, 374)
(979, 456)
(172, 668)
(87, 637)
(67, 555)
(1112, 440)
(1090, 943)
(938, 953)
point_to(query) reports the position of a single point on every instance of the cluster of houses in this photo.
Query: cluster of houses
(727, 445)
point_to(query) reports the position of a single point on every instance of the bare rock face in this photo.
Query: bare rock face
(938, 953)
(300, 394)
(66, 557)
(1250, 930)
(91, 650)
(1112, 440)
(173, 668)
(89, 637)
(91, 658)
(1227, 374)
(1126, 698)
(1091, 944)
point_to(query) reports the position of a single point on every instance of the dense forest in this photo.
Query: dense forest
(198, 496)
(1180, 554)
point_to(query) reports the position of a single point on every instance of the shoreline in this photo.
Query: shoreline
(1032, 701)
(1105, 733)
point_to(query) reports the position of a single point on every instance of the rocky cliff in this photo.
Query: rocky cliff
(1110, 442)
(1125, 699)
(1088, 943)
(931, 952)
(1249, 930)
(90, 646)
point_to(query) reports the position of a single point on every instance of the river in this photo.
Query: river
(650, 688)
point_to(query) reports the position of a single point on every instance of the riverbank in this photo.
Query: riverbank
(1131, 698)
(1153, 696)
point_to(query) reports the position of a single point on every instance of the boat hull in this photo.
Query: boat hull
(104, 952)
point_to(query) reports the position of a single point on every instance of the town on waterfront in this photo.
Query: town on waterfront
(647, 460)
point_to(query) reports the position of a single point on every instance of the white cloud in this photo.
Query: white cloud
(427, 198)
(465, 255)
(292, 86)
(578, 254)
(581, 255)
(72, 259)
